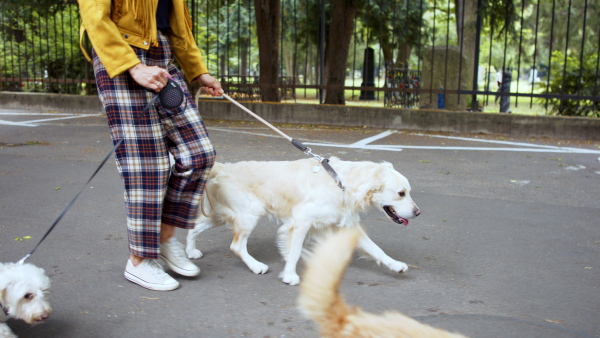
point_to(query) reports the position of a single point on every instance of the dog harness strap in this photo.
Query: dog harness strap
(332, 173)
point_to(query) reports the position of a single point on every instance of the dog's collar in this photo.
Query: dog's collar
(332, 173)
(324, 161)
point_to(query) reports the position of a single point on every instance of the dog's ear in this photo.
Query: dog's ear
(363, 194)
(387, 165)
(5, 281)
(364, 181)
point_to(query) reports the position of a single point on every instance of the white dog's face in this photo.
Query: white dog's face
(23, 289)
(393, 197)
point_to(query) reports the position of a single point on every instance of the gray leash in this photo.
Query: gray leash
(324, 162)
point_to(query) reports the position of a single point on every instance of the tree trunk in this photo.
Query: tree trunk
(244, 53)
(466, 24)
(268, 24)
(388, 53)
(340, 34)
(403, 58)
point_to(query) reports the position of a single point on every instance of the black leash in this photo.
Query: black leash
(324, 162)
(170, 97)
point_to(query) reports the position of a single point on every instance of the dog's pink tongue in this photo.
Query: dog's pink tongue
(404, 220)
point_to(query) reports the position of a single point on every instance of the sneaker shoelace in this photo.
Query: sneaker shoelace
(155, 268)
(176, 248)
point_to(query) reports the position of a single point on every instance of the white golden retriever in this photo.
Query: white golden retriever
(303, 196)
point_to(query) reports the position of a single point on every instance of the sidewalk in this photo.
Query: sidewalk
(507, 245)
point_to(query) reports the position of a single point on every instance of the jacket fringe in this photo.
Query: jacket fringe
(143, 10)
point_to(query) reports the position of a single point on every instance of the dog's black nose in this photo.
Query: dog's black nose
(417, 212)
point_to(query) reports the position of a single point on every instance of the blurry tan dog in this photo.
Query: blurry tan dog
(302, 196)
(321, 301)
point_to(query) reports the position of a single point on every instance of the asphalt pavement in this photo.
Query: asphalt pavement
(508, 243)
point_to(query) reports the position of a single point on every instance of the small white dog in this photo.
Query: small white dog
(23, 289)
(303, 196)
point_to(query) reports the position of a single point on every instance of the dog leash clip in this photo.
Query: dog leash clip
(308, 151)
(23, 259)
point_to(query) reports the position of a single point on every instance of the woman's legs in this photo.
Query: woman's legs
(158, 197)
(166, 232)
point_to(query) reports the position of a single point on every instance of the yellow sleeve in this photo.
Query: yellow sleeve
(184, 46)
(116, 55)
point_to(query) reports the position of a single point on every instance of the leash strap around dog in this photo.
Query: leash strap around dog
(324, 162)
(170, 97)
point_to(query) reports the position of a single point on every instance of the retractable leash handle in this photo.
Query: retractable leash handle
(324, 162)
(170, 97)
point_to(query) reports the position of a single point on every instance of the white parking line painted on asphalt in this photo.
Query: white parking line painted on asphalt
(35, 123)
(364, 144)
(373, 138)
(522, 144)
(401, 147)
(534, 147)
(20, 124)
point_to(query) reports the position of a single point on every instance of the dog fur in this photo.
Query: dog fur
(321, 301)
(302, 196)
(23, 289)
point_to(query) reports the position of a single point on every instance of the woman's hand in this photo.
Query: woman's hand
(151, 77)
(210, 85)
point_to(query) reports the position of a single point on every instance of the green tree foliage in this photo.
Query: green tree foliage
(39, 41)
(574, 77)
(500, 15)
(226, 31)
(397, 26)
(42, 44)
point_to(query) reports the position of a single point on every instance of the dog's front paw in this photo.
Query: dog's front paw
(193, 253)
(290, 278)
(397, 266)
(259, 268)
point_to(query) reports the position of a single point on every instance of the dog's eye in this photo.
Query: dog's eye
(402, 193)
(28, 296)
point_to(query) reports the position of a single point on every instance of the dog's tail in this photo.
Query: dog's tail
(320, 298)
(205, 196)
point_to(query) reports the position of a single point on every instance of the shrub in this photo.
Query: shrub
(570, 76)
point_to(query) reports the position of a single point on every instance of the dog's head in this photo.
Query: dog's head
(383, 187)
(23, 289)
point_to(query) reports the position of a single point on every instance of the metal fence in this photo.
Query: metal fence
(523, 56)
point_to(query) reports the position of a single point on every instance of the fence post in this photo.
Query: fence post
(505, 90)
(322, 52)
(476, 59)
(368, 75)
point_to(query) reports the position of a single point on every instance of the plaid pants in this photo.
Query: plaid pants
(155, 193)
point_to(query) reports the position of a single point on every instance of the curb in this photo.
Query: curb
(560, 127)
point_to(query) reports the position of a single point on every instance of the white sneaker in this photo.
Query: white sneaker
(172, 252)
(150, 275)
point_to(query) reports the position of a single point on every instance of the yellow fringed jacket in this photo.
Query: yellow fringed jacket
(114, 26)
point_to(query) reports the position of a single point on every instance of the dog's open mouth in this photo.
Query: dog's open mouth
(393, 216)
